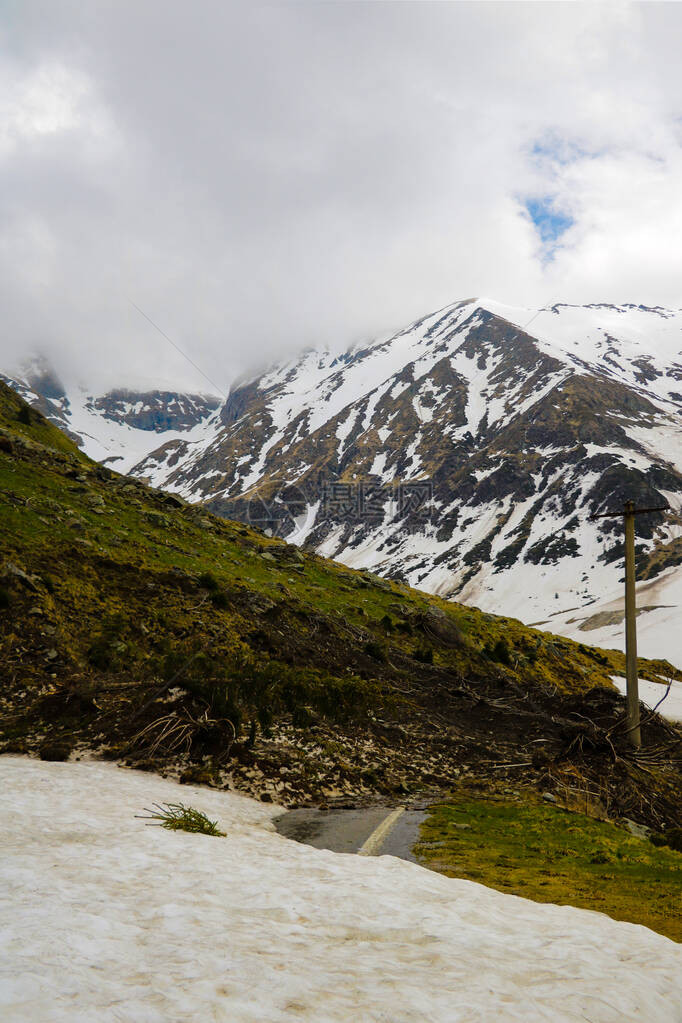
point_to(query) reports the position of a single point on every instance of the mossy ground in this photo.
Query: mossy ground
(523, 846)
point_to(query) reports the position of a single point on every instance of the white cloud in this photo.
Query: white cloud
(259, 178)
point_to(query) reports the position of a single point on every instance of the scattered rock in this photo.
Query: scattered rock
(156, 518)
(55, 749)
(173, 500)
(377, 580)
(638, 830)
(258, 603)
(549, 797)
(441, 626)
(287, 553)
(12, 571)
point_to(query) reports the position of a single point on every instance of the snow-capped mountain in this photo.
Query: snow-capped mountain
(491, 433)
(466, 453)
(120, 426)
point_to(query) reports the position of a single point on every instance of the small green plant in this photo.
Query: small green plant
(107, 648)
(423, 654)
(177, 817)
(500, 652)
(219, 599)
(671, 837)
(208, 581)
(375, 650)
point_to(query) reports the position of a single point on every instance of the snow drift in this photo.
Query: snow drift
(106, 919)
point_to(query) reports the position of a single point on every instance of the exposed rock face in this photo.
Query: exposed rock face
(464, 454)
(120, 426)
(157, 411)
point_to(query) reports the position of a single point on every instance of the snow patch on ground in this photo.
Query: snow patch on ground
(652, 693)
(106, 919)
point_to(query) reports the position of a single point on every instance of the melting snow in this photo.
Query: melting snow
(424, 412)
(658, 622)
(106, 919)
(651, 694)
(379, 464)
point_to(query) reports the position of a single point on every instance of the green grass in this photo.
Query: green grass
(18, 418)
(528, 848)
(177, 817)
(230, 555)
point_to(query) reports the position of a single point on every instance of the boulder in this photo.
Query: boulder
(12, 571)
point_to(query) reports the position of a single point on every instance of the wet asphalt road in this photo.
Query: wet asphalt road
(346, 831)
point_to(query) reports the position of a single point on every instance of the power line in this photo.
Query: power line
(178, 349)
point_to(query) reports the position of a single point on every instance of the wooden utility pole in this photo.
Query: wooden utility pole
(628, 513)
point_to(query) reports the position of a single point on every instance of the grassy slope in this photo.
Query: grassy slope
(145, 610)
(521, 845)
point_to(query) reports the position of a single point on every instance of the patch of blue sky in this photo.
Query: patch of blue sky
(550, 222)
(559, 152)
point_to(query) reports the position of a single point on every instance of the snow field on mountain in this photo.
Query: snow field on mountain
(661, 440)
(122, 446)
(658, 629)
(106, 919)
(326, 386)
(652, 694)
(581, 339)
(586, 334)
(323, 387)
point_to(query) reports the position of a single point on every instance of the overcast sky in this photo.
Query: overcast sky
(261, 178)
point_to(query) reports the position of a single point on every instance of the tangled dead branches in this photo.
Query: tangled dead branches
(178, 731)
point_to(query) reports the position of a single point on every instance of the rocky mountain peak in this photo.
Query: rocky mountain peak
(463, 453)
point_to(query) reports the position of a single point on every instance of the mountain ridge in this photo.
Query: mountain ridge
(518, 422)
(492, 415)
